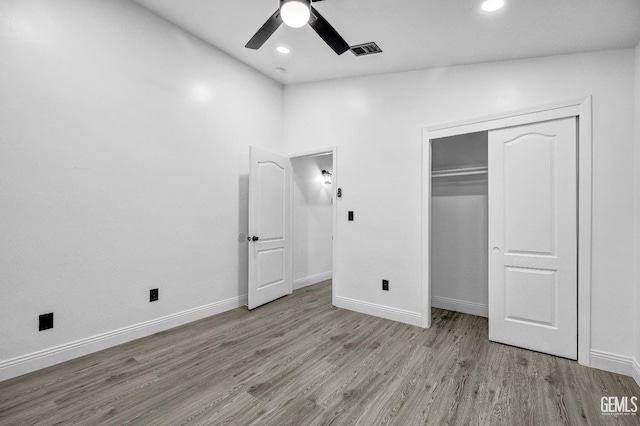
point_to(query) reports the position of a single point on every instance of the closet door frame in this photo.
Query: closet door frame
(577, 108)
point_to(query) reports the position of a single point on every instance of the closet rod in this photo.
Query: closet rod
(460, 171)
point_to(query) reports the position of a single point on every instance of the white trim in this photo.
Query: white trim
(635, 373)
(314, 152)
(45, 358)
(585, 168)
(514, 118)
(611, 362)
(463, 306)
(334, 237)
(394, 314)
(583, 110)
(425, 225)
(311, 280)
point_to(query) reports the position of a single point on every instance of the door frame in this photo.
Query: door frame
(581, 109)
(333, 150)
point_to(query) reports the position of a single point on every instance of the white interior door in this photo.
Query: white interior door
(269, 239)
(533, 237)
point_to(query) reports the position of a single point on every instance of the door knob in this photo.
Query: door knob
(496, 250)
(254, 238)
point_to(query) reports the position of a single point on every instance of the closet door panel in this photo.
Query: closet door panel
(533, 237)
(528, 191)
(530, 296)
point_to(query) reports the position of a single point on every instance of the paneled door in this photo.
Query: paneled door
(269, 239)
(533, 252)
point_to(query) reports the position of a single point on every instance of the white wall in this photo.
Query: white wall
(459, 226)
(123, 167)
(312, 220)
(376, 122)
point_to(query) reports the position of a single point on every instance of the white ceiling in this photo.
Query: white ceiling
(413, 34)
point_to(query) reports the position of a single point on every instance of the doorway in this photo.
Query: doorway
(459, 223)
(581, 112)
(271, 225)
(312, 217)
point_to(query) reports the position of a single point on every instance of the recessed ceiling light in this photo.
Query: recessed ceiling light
(492, 5)
(283, 49)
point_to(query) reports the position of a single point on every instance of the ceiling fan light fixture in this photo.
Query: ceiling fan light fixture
(295, 13)
(492, 5)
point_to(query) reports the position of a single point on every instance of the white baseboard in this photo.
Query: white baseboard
(311, 280)
(407, 317)
(611, 362)
(460, 306)
(45, 358)
(636, 371)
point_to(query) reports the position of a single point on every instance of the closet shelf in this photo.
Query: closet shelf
(464, 171)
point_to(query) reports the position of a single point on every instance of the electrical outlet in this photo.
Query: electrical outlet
(385, 285)
(45, 321)
(153, 295)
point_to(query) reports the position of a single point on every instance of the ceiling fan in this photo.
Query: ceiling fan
(297, 13)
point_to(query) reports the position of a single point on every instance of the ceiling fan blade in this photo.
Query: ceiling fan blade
(327, 32)
(265, 31)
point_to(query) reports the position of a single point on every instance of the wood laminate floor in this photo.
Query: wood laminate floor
(300, 361)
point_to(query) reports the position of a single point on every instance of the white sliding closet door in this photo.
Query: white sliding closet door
(533, 237)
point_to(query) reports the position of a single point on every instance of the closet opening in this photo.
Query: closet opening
(459, 223)
(539, 198)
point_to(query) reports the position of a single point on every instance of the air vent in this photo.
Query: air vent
(365, 49)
